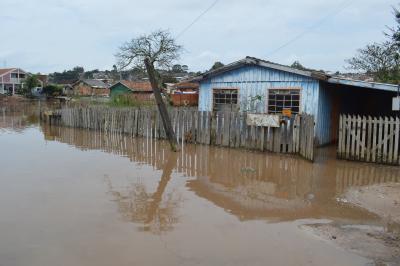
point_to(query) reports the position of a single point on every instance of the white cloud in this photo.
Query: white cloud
(53, 35)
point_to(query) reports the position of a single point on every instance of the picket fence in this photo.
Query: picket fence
(369, 139)
(227, 129)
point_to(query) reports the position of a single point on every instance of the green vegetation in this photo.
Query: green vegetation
(381, 60)
(217, 65)
(67, 75)
(52, 90)
(297, 65)
(124, 100)
(31, 82)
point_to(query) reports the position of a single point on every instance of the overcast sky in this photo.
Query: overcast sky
(53, 35)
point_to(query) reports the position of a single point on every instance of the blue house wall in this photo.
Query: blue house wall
(253, 80)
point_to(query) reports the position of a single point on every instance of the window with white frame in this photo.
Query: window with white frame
(279, 99)
(225, 99)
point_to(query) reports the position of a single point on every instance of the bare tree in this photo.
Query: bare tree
(153, 51)
(159, 47)
(380, 60)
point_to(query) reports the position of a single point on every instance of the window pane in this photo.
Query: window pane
(280, 99)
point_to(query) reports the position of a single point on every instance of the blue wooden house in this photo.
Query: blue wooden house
(258, 86)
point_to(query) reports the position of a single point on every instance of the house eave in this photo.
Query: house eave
(251, 61)
(363, 84)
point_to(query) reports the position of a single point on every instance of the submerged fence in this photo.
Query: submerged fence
(228, 129)
(369, 139)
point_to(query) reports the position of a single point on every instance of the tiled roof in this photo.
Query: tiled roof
(5, 70)
(137, 86)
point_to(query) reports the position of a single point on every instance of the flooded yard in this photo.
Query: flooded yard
(79, 197)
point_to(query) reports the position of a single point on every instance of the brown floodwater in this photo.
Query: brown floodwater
(77, 197)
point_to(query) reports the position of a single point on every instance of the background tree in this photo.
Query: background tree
(67, 75)
(158, 47)
(177, 68)
(52, 90)
(157, 50)
(297, 65)
(394, 33)
(31, 82)
(217, 65)
(381, 60)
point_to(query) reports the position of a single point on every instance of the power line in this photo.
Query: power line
(196, 19)
(342, 6)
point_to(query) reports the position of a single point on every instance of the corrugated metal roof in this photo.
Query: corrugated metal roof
(263, 63)
(318, 75)
(95, 83)
(363, 84)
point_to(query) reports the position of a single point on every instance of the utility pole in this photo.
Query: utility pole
(161, 105)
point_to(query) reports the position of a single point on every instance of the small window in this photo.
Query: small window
(225, 99)
(279, 99)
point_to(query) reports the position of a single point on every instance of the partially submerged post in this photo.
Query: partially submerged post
(169, 131)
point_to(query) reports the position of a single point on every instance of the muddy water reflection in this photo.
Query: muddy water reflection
(76, 197)
(156, 211)
(249, 185)
(17, 117)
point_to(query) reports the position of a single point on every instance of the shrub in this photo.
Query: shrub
(52, 90)
(124, 100)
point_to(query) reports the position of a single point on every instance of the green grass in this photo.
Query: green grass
(125, 101)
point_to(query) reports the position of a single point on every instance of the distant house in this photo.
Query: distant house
(186, 87)
(258, 86)
(43, 79)
(141, 91)
(90, 87)
(11, 80)
(185, 94)
(67, 86)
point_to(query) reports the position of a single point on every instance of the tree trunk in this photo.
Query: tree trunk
(161, 105)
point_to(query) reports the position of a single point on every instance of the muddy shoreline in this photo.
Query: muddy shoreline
(380, 243)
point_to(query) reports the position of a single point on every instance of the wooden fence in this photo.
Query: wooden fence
(369, 139)
(228, 129)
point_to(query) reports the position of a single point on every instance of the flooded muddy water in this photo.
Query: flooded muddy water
(77, 197)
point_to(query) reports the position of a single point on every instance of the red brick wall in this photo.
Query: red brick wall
(185, 99)
(142, 96)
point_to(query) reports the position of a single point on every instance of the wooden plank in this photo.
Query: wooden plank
(353, 137)
(357, 138)
(391, 128)
(396, 141)
(369, 139)
(348, 137)
(363, 141)
(225, 139)
(385, 140)
(374, 139)
(232, 129)
(340, 148)
(262, 138)
(379, 140)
